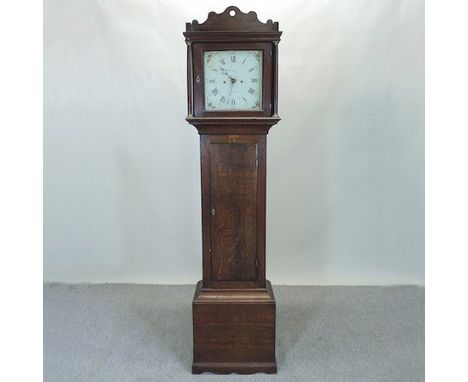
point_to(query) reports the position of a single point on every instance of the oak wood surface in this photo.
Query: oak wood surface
(233, 184)
(234, 330)
(233, 192)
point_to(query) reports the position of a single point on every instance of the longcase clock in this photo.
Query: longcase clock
(232, 77)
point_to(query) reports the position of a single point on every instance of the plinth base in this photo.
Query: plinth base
(234, 330)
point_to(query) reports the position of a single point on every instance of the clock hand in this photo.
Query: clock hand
(224, 71)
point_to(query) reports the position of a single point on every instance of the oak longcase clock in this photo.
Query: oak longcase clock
(232, 78)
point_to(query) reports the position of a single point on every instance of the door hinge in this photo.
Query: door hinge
(256, 262)
(256, 162)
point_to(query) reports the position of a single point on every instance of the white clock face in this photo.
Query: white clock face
(233, 80)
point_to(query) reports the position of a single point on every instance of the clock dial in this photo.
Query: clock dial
(233, 80)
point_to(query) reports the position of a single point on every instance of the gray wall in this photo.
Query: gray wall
(345, 165)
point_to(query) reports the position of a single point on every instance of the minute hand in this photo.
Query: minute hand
(226, 73)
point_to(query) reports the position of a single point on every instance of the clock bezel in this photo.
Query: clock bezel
(199, 50)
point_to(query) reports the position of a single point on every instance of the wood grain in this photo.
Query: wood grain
(233, 193)
(235, 331)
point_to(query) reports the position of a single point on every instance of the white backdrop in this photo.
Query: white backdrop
(345, 196)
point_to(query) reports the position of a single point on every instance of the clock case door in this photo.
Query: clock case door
(233, 205)
(199, 88)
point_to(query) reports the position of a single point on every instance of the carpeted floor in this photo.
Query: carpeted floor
(117, 332)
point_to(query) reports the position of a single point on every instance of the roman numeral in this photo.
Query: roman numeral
(254, 80)
(244, 61)
(222, 99)
(244, 99)
(212, 81)
(233, 58)
(214, 91)
(233, 102)
(222, 61)
(251, 91)
(251, 70)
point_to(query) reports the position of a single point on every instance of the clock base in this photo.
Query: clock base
(234, 330)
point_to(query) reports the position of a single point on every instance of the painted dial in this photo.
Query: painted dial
(233, 80)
